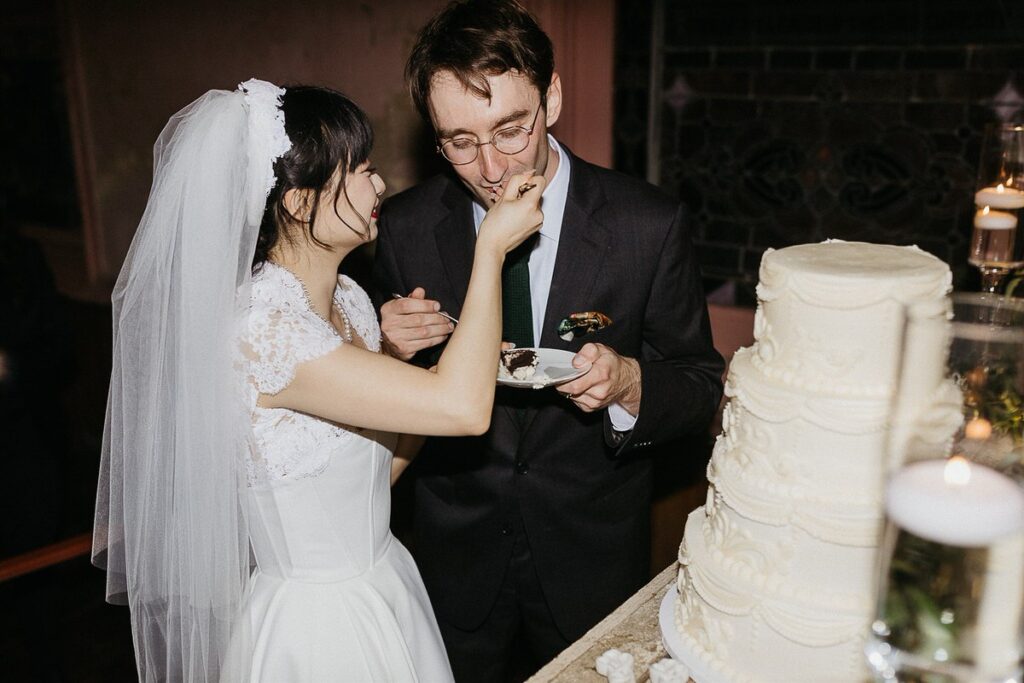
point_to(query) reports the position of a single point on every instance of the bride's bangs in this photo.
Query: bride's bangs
(331, 136)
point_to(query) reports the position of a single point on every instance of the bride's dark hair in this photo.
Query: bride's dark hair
(329, 133)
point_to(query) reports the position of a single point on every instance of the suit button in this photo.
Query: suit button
(506, 530)
(522, 467)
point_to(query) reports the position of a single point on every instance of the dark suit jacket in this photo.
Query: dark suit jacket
(582, 495)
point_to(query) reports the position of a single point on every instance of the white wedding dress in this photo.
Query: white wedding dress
(334, 597)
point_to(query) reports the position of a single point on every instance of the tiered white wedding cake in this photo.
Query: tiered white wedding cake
(776, 570)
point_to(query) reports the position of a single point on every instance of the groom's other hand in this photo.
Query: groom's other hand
(612, 379)
(412, 324)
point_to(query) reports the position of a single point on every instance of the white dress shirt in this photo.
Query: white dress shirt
(542, 259)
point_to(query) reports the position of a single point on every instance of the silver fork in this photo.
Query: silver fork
(454, 320)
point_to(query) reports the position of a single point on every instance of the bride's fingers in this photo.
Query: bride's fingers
(519, 184)
(516, 215)
(532, 187)
(525, 187)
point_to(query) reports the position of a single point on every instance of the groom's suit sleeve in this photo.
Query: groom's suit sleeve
(680, 371)
(387, 277)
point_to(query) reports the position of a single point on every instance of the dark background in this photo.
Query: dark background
(787, 122)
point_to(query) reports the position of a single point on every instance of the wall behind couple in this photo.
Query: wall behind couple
(91, 85)
(130, 66)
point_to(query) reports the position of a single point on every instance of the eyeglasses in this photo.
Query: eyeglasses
(511, 140)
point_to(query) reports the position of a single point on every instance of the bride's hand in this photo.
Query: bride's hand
(516, 215)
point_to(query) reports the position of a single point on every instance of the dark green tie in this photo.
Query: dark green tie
(516, 309)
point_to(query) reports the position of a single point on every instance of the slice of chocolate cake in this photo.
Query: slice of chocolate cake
(518, 364)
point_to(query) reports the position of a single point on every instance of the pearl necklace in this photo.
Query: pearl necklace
(345, 336)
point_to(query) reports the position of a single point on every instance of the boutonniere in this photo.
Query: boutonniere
(578, 324)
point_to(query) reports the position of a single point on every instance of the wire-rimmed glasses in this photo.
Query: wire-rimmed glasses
(511, 140)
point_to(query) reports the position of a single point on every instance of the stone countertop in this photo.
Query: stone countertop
(632, 628)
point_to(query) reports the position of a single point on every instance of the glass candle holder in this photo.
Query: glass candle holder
(950, 603)
(997, 247)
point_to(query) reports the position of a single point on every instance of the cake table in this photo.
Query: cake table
(632, 628)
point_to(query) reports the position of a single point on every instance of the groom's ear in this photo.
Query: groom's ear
(553, 101)
(299, 204)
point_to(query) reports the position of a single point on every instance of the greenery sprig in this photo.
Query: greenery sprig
(991, 393)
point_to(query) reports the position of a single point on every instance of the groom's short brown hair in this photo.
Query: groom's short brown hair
(474, 39)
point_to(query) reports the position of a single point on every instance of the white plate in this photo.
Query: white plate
(554, 367)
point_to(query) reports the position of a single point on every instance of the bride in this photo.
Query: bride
(243, 506)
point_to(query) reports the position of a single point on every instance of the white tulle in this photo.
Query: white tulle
(170, 526)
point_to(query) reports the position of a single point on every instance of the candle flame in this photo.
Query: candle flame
(957, 472)
(1000, 189)
(984, 212)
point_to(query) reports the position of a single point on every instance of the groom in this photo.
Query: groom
(529, 535)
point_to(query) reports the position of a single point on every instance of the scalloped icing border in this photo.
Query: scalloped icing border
(783, 606)
(710, 660)
(721, 670)
(776, 493)
(782, 403)
(847, 523)
(824, 386)
(829, 291)
(844, 292)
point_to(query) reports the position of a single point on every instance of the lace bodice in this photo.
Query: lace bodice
(281, 333)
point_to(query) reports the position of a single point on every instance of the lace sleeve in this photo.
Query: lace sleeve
(278, 340)
(361, 312)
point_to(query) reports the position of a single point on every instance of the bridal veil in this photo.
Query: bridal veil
(170, 525)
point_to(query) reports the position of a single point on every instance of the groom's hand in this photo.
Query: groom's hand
(612, 379)
(411, 324)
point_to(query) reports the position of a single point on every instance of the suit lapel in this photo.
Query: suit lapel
(455, 235)
(582, 244)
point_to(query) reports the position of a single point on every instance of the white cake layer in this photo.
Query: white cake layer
(786, 457)
(830, 315)
(781, 399)
(752, 628)
(794, 502)
(784, 560)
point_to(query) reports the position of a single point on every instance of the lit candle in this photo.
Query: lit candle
(1000, 197)
(955, 502)
(994, 237)
(994, 220)
(978, 429)
(959, 503)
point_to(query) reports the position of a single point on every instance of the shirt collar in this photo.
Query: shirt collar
(557, 191)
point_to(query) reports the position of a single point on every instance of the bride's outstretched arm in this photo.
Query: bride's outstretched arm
(356, 387)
